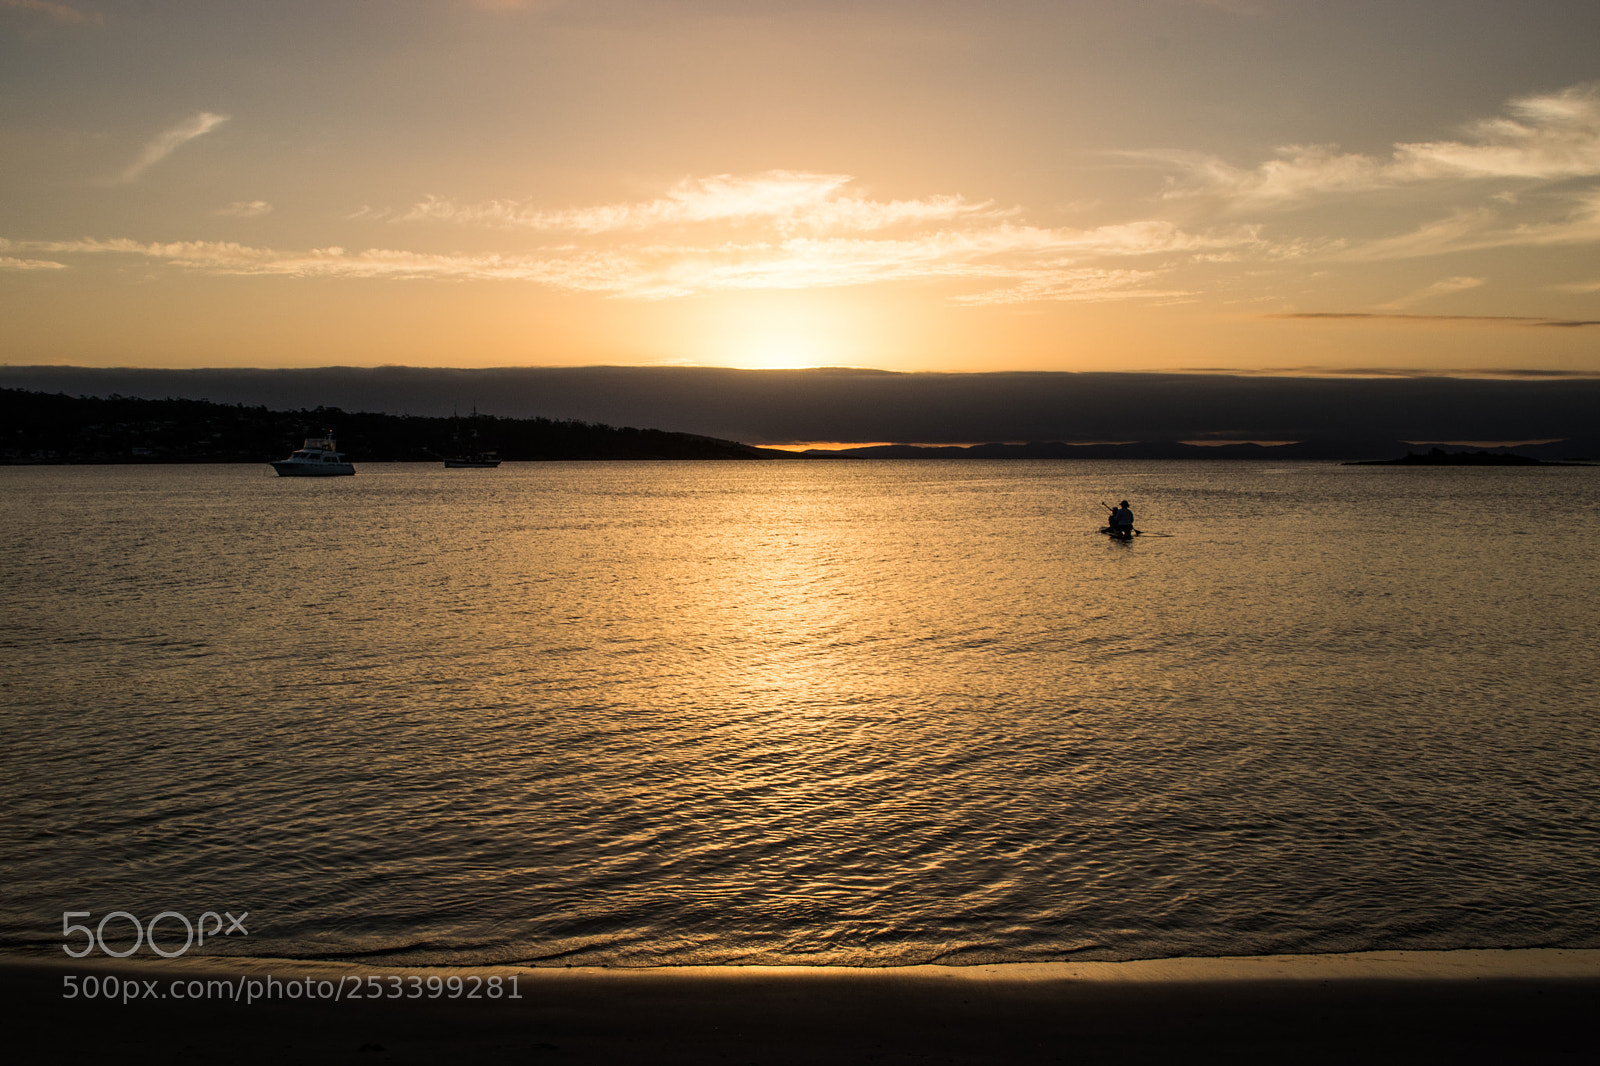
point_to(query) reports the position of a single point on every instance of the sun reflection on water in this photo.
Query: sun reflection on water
(787, 712)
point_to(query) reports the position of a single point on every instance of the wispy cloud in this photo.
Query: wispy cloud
(1389, 317)
(1008, 263)
(246, 209)
(1486, 320)
(791, 229)
(787, 200)
(12, 263)
(1063, 283)
(795, 229)
(1443, 287)
(1472, 229)
(770, 231)
(1547, 137)
(169, 141)
(1032, 263)
(1542, 138)
(591, 272)
(58, 12)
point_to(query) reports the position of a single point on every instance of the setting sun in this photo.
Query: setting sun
(776, 331)
(779, 353)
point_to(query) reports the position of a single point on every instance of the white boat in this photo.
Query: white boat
(318, 457)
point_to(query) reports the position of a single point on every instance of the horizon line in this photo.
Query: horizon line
(1311, 372)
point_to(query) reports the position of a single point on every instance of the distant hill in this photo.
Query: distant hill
(40, 427)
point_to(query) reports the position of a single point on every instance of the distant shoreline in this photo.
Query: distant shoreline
(1440, 457)
(1511, 462)
(56, 428)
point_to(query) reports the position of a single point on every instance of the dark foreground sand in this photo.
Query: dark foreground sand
(1532, 1006)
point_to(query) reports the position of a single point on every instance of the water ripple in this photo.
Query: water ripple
(841, 713)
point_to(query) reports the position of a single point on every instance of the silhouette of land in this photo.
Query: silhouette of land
(55, 428)
(781, 407)
(41, 427)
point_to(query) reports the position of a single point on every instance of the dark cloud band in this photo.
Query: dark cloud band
(784, 406)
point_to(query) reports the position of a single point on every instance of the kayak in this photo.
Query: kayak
(1118, 534)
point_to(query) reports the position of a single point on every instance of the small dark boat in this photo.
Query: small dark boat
(1117, 534)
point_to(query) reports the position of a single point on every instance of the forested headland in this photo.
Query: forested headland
(40, 427)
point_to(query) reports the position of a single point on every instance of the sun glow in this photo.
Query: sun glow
(780, 331)
(779, 353)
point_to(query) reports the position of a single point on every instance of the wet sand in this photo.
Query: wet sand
(1528, 1006)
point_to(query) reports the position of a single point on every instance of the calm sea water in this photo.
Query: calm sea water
(852, 713)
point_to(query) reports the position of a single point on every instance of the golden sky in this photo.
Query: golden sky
(1007, 185)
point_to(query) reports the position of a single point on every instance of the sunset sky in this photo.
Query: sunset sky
(1253, 185)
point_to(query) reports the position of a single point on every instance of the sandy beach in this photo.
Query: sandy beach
(1461, 1006)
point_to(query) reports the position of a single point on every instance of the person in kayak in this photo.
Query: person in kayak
(1122, 519)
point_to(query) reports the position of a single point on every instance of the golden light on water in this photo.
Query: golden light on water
(850, 713)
